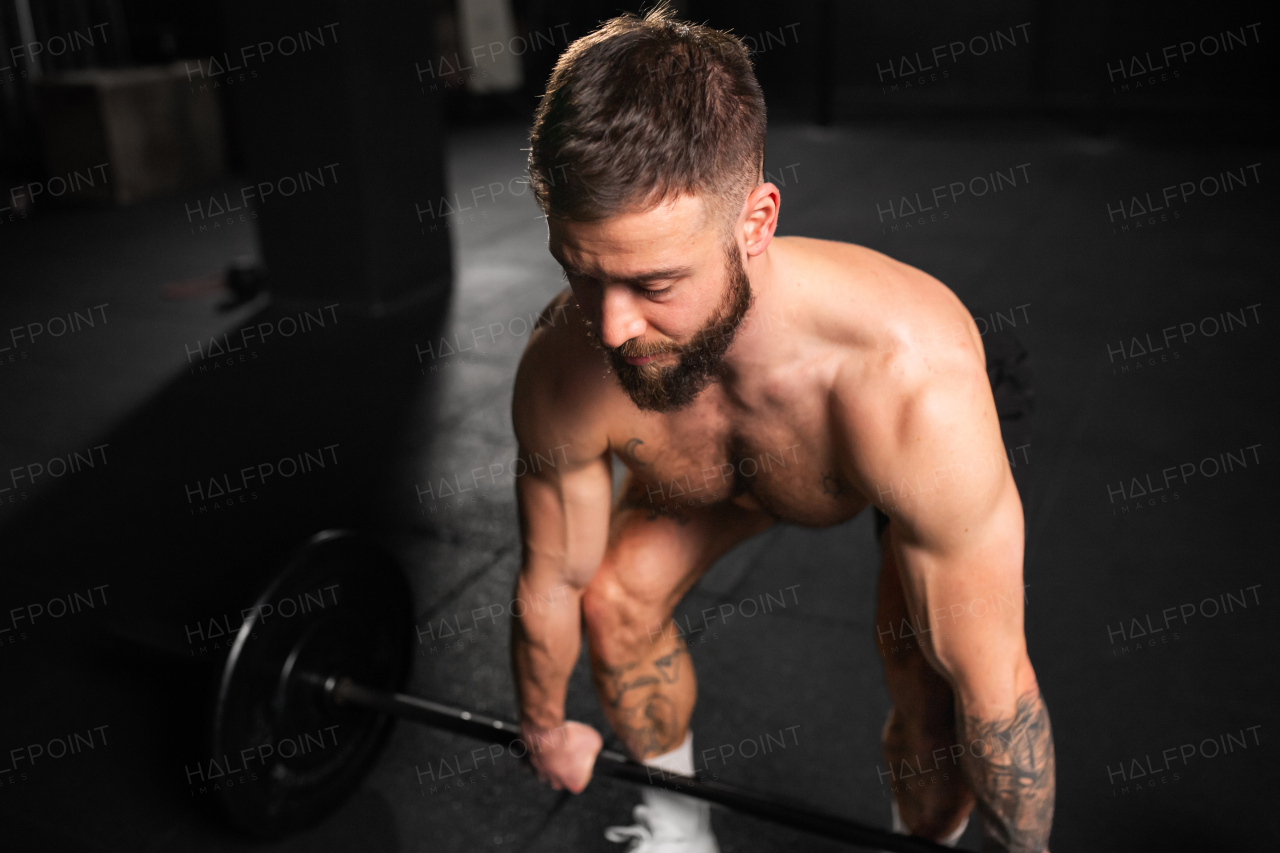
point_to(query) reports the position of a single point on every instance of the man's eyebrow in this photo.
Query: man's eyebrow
(656, 275)
(638, 278)
(569, 269)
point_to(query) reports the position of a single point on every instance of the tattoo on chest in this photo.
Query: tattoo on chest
(629, 451)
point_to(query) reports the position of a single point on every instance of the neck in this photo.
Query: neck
(769, 311)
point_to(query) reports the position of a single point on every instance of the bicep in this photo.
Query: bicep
(967, 588)
(564, 507)
(957, 535)
(564, 520)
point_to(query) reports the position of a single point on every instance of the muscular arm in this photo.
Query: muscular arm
(933, 460)
(564, 521)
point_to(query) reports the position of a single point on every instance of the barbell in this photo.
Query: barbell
(308, 702)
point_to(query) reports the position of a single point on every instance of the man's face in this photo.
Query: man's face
(664, 293)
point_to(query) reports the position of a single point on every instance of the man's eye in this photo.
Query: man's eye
(652, 294)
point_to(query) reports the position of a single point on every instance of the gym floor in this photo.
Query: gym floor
(1103, 562)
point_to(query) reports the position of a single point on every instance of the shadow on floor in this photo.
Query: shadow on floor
(188, 507)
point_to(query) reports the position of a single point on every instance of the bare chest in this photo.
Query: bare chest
(786, 468)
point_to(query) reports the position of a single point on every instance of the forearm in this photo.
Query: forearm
(545, 642)
(1009, 766)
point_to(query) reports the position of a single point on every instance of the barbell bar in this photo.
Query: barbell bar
(338, 666)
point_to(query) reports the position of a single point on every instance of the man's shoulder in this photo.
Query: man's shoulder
(913, 362)
(866, 286)
(895, 322)
(560, 389)
(559, 349)
(838, 259)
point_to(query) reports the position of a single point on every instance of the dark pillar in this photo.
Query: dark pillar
(326, 94)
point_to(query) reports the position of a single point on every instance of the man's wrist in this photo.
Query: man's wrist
(541, 722)
(542, 735)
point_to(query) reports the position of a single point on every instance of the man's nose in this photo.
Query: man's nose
(620, 318)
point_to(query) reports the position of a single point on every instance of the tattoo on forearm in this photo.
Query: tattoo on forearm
(1013, 776)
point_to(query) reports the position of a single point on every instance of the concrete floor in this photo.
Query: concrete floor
(1042, 251)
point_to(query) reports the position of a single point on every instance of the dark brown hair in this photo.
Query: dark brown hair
(645, 109)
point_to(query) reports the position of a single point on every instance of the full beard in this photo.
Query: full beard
(655, 388)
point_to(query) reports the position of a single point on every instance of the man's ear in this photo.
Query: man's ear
(760, 218)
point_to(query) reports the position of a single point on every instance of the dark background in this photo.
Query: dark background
(1084, 274)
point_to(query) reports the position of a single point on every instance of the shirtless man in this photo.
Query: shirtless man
(695, 340)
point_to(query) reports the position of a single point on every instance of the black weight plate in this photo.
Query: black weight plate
(287, 755)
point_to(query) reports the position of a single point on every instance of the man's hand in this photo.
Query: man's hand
(564, 756)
